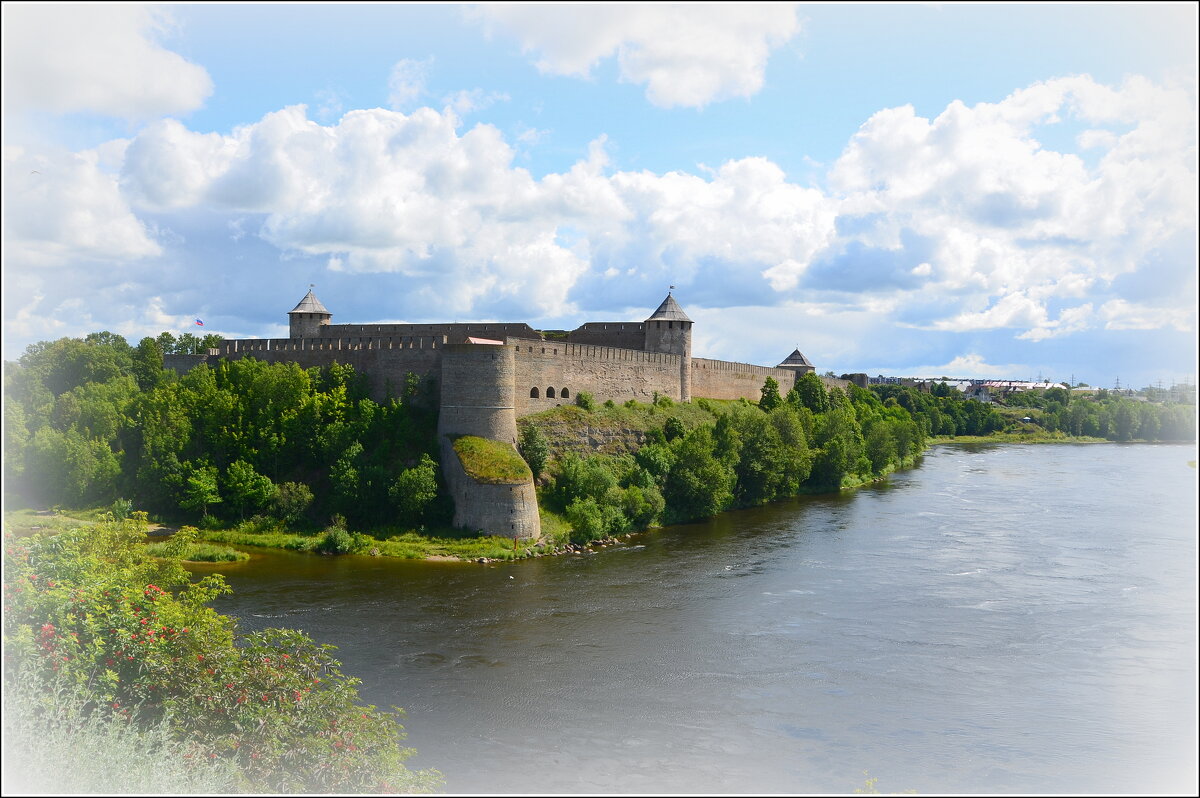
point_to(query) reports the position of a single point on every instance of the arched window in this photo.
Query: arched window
(565, 394)
(533, 393)
(549, 393)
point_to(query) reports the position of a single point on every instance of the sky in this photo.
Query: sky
(967, 190)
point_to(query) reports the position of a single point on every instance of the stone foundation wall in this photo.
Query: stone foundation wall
(506, 510)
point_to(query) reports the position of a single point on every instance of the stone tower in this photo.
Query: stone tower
(306, 319)
(669, 330)
(477, 399)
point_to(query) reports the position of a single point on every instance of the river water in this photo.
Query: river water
(997, 619)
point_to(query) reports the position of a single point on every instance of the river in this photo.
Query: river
(998, 619)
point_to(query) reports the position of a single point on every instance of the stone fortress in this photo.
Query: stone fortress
(488, 374)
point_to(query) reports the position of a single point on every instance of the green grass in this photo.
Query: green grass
(1027, 434)
(29, 521)
(199, 552)
(491, 462)
(384, 542)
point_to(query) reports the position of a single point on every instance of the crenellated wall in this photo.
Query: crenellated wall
(619, 334)
(605, 372)
(385, 360)
(722, 379)
(454, 332)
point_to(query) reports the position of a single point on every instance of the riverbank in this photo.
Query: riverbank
(450, 544)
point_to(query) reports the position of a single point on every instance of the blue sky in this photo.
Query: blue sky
(970, 190)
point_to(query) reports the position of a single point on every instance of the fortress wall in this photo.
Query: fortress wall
(182, 364)
(622, 335)
(385, 361)
(605, 372)
(722, 379)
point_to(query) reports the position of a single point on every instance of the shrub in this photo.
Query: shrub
(121, 508)
(71, 749)
(88, 608)
(337, 540)
(585, 400)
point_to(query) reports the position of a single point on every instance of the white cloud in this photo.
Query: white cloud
(96, 57)
(61, 205)
(388, 192)
(970, 366)
(1013, 310)
(685, 55)
(406, 83)
(1011, 221)
(468, 101)
(1119, 314)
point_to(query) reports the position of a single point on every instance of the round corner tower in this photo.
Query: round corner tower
(477, 399)
(307, 318)
(477, 391)
(669, 330)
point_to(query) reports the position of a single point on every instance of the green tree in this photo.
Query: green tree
(673, 428)
(200, 489)
(535, 448)
(89, 613)
(246, 488)
(698, 485)
(770, 395)
(414, 490)
(809, 392)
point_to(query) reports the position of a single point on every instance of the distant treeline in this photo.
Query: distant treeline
(1112, 416)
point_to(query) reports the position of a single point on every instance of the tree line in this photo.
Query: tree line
(1109, 415)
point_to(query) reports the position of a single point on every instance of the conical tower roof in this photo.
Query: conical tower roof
(669, 310)
(796, 360)
(310, 304)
